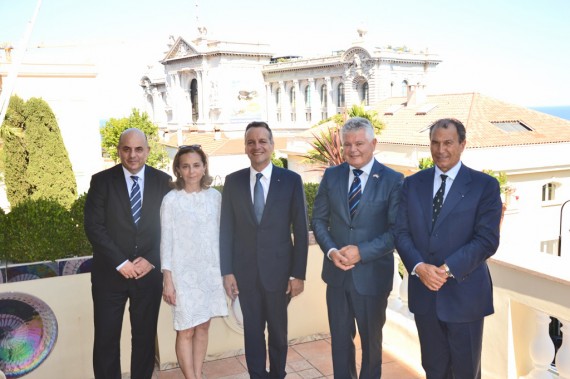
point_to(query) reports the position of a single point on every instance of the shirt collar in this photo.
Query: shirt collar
(366, 168)
(451, 174)
(128, 174)
(266, 172)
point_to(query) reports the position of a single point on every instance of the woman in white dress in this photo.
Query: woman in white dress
(189, 252)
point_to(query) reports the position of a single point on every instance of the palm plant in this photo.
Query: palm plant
(327, 148)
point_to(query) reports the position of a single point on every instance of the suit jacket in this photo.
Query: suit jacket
(111, 230)
(466, 233)
(265, 251)
(370, 229)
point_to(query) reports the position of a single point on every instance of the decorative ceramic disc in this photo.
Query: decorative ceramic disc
(28, 331)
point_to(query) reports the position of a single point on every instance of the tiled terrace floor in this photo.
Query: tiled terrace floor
(309, 360)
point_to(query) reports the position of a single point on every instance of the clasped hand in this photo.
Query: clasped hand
(432, 277)
(136, 269)
(346, 258)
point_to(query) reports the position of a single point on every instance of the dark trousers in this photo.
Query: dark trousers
(345, 306)
(261, 308)
(450, 350)
(109, 307)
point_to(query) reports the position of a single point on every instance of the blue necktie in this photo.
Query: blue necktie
(355, 192)
(136, 200)
(258, 198)
(438, 200)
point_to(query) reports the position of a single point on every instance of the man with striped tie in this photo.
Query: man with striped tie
(122, 222)
(354, 211)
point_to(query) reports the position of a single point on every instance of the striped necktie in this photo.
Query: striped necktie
(355, 192)
(136, 200)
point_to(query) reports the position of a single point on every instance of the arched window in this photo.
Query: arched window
(293, 100)
(278, 98)
(405, 88)
(340, 96)
(307, 95)
(324, 103)
(363, 95)
(194, 99)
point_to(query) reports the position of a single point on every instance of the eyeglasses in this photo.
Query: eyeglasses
(196, 147)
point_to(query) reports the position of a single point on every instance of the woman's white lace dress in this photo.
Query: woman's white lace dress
(190, 249)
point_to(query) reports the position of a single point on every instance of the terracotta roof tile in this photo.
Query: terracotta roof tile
(478, 113)
(221, 146)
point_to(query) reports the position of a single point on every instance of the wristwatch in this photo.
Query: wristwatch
(447, 271)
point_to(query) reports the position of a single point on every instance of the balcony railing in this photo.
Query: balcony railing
(529, 288)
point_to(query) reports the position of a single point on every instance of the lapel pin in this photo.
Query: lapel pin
(376, 176)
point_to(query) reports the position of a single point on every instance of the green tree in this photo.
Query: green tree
(425, 163)
(110, 133)
(49, 172)
(36, 161)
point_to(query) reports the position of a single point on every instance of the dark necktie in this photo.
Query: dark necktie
(355, 192)
(258, 198)
(136, 200)
(438, 200)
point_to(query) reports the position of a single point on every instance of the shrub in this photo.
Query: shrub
(2, 229)
(81, 245)
(310, 193)
(38, 230)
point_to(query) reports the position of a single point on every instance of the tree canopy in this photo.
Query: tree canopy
(113, 128)
(37, 164)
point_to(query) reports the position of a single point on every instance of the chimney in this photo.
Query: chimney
(416, 95)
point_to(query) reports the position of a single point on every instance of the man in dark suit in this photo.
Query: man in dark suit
(126, 256)
(261, 206)
(447, 227)
(354, 210)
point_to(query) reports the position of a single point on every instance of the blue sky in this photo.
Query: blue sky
(513, 50)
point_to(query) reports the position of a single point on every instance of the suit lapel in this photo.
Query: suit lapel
(426, 195)
(120, 187)
(342, 186)
(149, 192)
(244, 186)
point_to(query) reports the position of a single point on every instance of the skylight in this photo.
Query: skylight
(511, 126)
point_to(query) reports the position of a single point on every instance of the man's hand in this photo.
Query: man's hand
(340, 261)
(128, 270)
(351, 255)
(295, 287)
(431, 276)
(142, 267)
(230, 285)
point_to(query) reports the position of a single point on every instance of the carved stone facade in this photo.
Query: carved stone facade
(208, 85)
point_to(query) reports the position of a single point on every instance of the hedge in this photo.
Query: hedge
(43, 230)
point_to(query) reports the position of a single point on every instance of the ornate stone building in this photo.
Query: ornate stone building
(210, 85)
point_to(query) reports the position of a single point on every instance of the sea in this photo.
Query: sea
(558, 111)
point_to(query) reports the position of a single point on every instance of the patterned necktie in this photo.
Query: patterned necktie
(438, 200)
(258, 198)
(136, 200)
(355, 192)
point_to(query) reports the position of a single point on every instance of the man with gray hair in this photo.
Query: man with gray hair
(354, 211)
